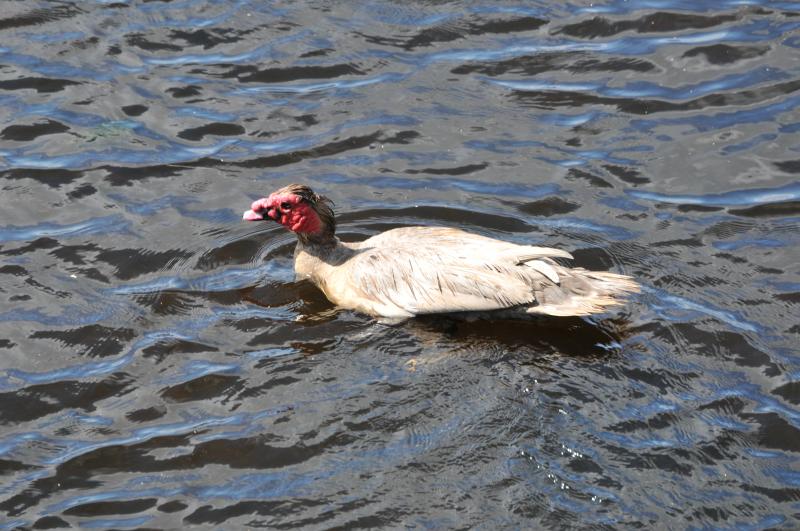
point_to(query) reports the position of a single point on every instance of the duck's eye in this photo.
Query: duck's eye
(286, 205)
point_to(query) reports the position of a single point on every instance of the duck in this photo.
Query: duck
(413, 271)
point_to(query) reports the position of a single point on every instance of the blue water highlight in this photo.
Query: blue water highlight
(754, 196)
(103, 225)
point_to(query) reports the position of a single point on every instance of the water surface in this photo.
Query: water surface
(161, 368)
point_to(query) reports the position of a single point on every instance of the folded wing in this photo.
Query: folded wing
(419, 270)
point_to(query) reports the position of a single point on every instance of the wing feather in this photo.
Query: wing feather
(545, 269)
(419, 270)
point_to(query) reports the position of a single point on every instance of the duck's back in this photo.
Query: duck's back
(418, 270)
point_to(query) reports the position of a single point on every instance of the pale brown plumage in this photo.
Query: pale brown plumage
(422, 270)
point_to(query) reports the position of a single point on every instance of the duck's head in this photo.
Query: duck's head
(297, 208)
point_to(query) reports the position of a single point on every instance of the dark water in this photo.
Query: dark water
(162, 369)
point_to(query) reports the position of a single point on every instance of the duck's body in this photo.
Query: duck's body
(412, 271)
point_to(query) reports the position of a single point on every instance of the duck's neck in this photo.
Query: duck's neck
(316, 258)
(323, 246)
(322, 243)
(323, 239)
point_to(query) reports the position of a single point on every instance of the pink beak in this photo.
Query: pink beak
(252, 216)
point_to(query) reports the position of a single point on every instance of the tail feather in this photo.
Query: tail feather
(583, 292)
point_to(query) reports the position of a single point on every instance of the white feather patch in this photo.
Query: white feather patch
(535, 252)
(545, 269)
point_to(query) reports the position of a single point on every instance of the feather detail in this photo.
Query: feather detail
(546, 269)
(530, 252)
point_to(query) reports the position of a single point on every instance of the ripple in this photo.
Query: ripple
(655, 22)
(101, 225)
(755, 31)
(214, 58)
(667, 302)
(722, 120)
(223, 281)
(95, 368)
(502, 189)
(310, 88)
(753, 196)
(642, 89)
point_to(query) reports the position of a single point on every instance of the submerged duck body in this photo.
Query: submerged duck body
(412, 271)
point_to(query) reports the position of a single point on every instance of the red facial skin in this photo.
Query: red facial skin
(287, 209)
